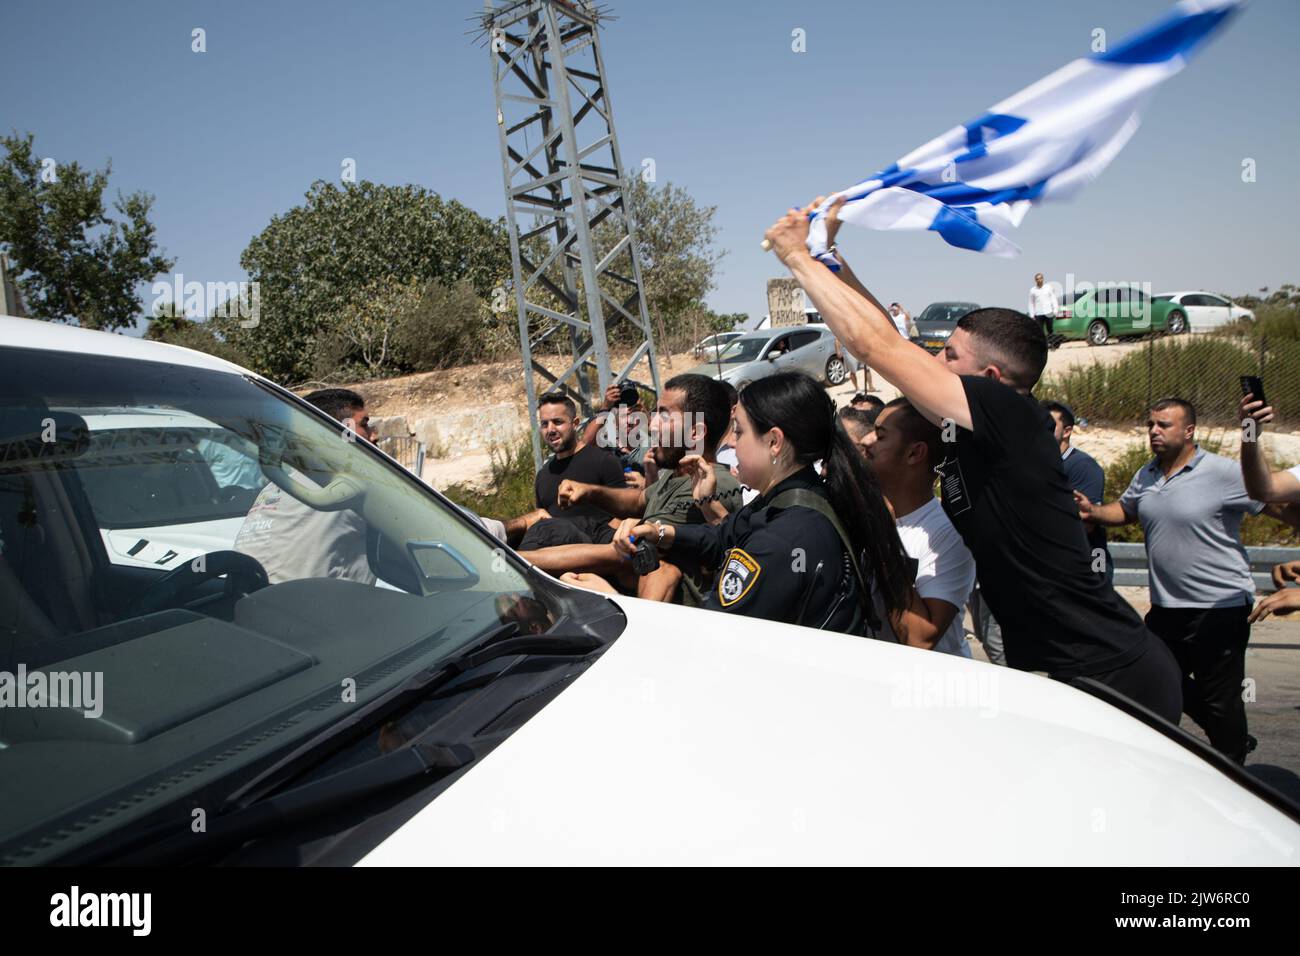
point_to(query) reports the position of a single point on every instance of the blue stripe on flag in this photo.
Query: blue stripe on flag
(960, 229)
(1000, 123)
(975, 152)
(1179, 33)
(960, 193)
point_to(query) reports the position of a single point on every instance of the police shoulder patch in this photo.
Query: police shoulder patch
(739, 572)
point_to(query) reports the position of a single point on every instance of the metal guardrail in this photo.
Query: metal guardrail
(1131, 563)
(406, 450)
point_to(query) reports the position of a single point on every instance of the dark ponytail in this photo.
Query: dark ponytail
(806, 416)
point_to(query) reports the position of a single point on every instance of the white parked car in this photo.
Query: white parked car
(1205, 310)
(478, 711)
(709, 346)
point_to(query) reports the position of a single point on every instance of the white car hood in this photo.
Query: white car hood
(702, 738)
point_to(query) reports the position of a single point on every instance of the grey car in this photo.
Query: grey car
(935, 324)
(755, 355)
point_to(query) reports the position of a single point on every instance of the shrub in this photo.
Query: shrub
(511, 489)
(1200, 368)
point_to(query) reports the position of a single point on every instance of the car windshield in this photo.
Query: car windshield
(944, 313)
(748, 349)
(197, 572)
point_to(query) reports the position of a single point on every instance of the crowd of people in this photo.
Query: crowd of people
(772, 503)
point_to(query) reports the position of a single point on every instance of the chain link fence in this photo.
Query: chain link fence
(1113, 389)
(1204, 368)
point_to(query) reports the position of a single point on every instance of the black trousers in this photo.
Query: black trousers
(1210, 647)
(1152, 681)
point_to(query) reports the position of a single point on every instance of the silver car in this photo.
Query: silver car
(755, 355)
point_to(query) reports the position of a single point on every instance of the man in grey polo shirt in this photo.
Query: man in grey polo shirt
(1190, 503)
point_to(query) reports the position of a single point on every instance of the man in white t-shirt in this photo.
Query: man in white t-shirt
(1043, 306)
(902, 451)
(901, 319)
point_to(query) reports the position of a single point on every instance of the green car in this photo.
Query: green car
(1099, 315)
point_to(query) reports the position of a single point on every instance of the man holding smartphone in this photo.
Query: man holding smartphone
(1281, 489)
(1190, 504)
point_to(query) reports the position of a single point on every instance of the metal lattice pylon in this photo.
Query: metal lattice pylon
(562, 165)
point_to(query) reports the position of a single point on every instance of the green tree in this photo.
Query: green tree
(74, 262)
(315, 261)
(169, 324)
(678, 257)
(451, 325)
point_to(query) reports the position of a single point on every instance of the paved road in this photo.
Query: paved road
(1273, 663)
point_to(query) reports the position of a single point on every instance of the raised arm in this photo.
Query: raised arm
(1281, 486)
(857, 319)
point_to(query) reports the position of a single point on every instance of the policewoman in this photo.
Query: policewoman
(806, 551)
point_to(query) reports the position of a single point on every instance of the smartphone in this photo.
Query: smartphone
(1253, 385)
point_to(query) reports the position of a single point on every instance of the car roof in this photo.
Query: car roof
(56, 337)
(783, 330)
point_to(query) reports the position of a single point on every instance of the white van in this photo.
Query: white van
(477, 711)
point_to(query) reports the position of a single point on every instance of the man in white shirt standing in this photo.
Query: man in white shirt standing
(902, 451)
(1043, 307)
(901, 319)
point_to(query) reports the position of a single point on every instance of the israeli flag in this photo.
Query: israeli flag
(976, 181)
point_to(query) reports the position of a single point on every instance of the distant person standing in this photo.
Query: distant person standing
(901, 318)
(1043, 308)
(1190, 503)
(850, 364)
(1085, 475)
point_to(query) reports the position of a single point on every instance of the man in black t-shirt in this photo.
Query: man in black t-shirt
(1001, 480)
(548, 524)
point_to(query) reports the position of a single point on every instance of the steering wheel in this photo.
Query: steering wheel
(243, 575)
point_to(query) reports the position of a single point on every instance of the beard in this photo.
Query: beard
(668, 457)
(565, 443)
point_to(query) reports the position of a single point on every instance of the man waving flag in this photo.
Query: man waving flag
(975, 181)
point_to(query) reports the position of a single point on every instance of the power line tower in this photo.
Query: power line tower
(562, 166)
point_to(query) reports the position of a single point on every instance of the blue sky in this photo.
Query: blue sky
(711, 91)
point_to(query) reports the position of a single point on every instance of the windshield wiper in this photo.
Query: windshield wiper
(500, 643)
(307, 801)
(241, 819)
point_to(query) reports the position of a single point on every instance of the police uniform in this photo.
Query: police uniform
(783, 563)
